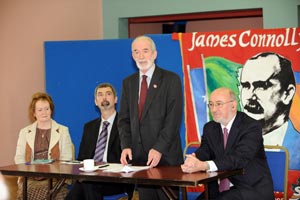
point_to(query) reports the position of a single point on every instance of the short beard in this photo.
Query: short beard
(105, 103)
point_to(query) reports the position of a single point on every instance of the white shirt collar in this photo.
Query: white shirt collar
(110, 119)
(228, 126)
(149, 73)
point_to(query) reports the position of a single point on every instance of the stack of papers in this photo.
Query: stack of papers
(118, 168)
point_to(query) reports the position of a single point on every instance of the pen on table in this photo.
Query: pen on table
(101, 166)
(74, 161)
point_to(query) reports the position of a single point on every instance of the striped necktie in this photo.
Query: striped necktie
(101, 143)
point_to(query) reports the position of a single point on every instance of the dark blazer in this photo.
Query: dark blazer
(245, 150)
(160, 121)
(87, 150)
(89, 141)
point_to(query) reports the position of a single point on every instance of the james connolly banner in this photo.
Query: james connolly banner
(262, 67)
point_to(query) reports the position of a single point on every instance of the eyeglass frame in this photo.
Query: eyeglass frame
(218, 104)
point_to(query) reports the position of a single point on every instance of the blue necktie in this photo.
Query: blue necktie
(101, 143)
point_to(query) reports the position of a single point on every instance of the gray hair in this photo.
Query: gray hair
(104, 85)
(144, 37)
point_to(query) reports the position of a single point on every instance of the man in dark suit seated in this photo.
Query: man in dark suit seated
(105, 100)
(231, 141)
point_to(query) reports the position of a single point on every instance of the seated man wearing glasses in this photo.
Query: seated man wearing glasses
(231, 141)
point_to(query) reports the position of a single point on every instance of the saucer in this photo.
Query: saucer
(89, 170)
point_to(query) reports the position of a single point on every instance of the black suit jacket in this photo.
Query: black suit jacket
(89, 141)
(87, 151)
(245, 150)
(160, 121)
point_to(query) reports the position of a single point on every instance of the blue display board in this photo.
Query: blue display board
(75, 68)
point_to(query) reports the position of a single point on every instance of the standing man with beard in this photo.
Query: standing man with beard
(150, 115)
(105, 99)
(268, 88)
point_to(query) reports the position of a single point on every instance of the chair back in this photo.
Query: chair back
(278, 160)
(191, 192)
(191, 148)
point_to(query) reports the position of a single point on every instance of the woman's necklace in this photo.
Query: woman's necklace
(43, 129)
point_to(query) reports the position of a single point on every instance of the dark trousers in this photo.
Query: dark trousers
(88, 190)
(214, 194)
(154, 192)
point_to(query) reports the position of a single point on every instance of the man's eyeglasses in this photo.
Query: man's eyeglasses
(218, 104)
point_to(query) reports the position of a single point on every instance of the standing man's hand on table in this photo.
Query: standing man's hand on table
(153, 158)
(126, 156)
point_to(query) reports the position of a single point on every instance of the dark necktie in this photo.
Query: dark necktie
(224, 183)
(101, 143)
(143, 94)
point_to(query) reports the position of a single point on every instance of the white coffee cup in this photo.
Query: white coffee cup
(89, 164)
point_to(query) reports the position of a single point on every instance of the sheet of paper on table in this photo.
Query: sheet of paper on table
(117, 168)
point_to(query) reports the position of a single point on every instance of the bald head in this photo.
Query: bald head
(223, 105)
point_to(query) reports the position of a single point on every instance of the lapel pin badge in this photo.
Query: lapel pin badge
(154, 86)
